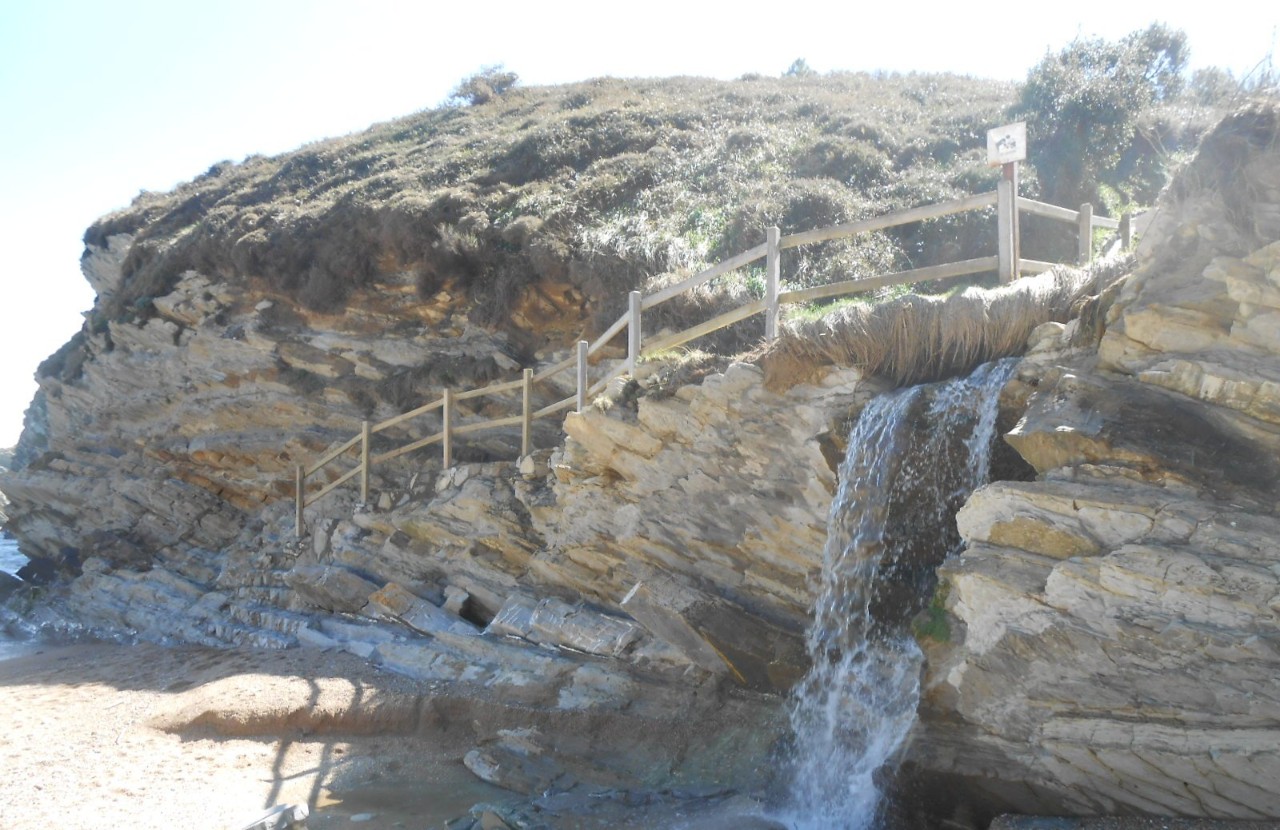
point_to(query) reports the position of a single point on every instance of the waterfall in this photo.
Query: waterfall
(914, 456)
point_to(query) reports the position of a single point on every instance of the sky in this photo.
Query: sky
(99, 100)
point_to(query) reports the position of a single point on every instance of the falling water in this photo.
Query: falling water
(914, 456)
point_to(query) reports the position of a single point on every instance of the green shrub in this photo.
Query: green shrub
(484, 86)
(1083, 107)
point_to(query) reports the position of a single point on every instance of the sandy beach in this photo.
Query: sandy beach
(144, 736)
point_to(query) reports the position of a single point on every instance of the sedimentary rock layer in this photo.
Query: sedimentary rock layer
(1115, 628)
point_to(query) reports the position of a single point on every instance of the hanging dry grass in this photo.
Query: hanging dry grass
(919, 338)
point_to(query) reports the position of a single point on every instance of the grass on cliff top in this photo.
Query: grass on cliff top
(604, 184)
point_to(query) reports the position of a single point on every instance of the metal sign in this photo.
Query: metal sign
(1007, 144)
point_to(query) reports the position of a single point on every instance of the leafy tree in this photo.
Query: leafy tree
(1082, 108)
(799, 68)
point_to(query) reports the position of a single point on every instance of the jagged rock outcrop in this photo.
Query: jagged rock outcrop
(1114, 624)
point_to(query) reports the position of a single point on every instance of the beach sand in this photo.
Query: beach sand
(142, 736)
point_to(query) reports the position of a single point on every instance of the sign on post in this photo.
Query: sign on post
(1007, 144)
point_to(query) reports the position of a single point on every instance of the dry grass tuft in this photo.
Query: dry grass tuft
(919, 338)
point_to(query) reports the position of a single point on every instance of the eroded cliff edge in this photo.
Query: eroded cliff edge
(1115, 624)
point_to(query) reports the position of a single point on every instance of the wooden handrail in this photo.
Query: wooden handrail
(714, 324)
(932, 272)
(609, 334)
(731, 264)
(559, 406)
(889, 220)
(551, 371)
(329, 488)
(323, 462)
(1035, 266)
(640, 348)
(600, 385)
(410, 415)
(491, 389)
(408, 448)
(1062, 214)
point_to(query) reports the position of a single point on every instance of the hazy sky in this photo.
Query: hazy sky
(102, 99)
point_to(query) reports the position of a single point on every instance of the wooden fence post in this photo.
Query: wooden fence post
(298, 499)
(526, 412)
(1006, 213)
(633, 331)
(1126, 231)
(1011, 171)
(447, 426)
(772, 270)
(364, 462)
(1084, 243)
(582, 375)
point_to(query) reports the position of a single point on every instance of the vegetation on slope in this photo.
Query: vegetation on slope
(609, 185)
(604, 184)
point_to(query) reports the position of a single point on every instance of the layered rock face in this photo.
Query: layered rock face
(651, 570)
(1115, 630)
(1113, 624)
(164, 433)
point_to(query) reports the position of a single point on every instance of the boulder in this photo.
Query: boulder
(718, 636)
(552, 621)
(331, 588)
(396, 603)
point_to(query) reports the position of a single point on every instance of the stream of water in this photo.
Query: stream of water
(914, 456)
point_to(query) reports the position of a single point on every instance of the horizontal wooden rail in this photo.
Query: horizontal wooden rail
(714, 324)
(609, 334)
(731, 264)
(555, 369)
(931, 272)
(411, 414)
(316, 467)
(481, 426)
(1035, 266)
(600, 385)
(1062, 214)
(559, 406)
(329, 488)
(1048, 211)
(878, 223)
(408, 448)
(491, 389)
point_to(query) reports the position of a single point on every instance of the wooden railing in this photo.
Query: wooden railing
(1007, 262)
